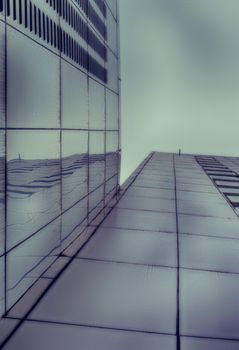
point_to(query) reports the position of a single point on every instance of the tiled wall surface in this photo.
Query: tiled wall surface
(59, 130)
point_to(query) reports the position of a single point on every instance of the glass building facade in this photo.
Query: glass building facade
(161, 271)
(154, 265)
(59, 131)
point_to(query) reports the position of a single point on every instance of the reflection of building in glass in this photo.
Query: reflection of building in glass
(161, 271)
(155, 267)
(59, 137)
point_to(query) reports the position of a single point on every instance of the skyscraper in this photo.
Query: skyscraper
(83, 263)
(59, 131)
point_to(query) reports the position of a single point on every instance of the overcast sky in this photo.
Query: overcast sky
(180, 77)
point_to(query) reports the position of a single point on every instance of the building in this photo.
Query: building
(84, 264)
(59, 131)
(161, 271)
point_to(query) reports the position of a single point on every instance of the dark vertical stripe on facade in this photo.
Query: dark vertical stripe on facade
(20, 11)
(14, 11)
(35, 20)
(47, 29)
(39, 23)
(30, 16)
(55, 36)
(26, 13)
(44, 26)
(51, 32)
(8, 10)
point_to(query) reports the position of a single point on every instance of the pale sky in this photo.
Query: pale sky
(180, 77)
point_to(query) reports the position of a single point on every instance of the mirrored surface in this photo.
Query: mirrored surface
(196, 188)
(112, 66)
(126, 273)
(2, 191)
(29, 298)
(2, 285)
(209, 304)
(74, 93)
(209, 226)
(112, 32)
(33, 188)
(142, 220)
(111, 188)
(111, 157)
(99, 302)
(6, 326)
(96, 202)
(58, 67)
(212, 198)
(132, 246)
(152, 183)
(29, 260)
(144, 203)
(207, 344)
(74, 167)
(29, 65)
(209, 253)
(2, 74)
(97, 105)
(61, 337)
(112, 110)
(73, 221)
(56, 267)
(204, 208)
(96, 159)
(150, 192)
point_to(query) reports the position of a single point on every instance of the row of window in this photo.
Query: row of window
(89, 11)
(44, 27)
(72, 17)
(102, 6)
(96, 20)
(66, 11)
(225, 179)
